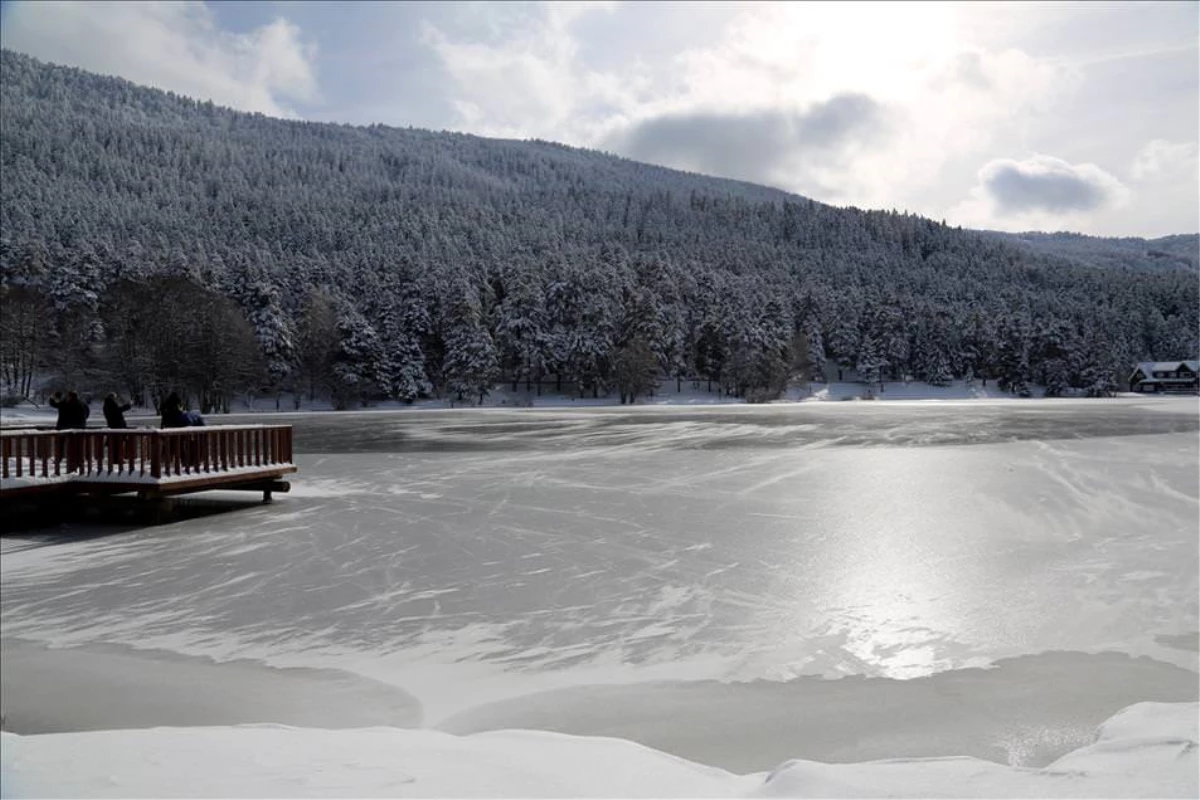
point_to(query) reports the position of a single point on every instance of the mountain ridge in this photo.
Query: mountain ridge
(763, 190)
(1173, 250)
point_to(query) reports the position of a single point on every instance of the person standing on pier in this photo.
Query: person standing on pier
(114, 411)
(173, 415)
(72, 412)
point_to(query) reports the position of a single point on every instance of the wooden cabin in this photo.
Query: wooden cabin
(1177, 377)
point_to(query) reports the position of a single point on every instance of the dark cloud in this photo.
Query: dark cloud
(1044, 183)
(753, 146)
(841, 118)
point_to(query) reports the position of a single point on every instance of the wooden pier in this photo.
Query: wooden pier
(154, 463)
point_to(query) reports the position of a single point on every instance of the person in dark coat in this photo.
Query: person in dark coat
(114, 411)
(72, 412)
(173, 415)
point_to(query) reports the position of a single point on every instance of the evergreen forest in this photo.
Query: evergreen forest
(150, 243)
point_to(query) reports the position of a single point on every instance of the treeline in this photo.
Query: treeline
(611, 323)
(145, 339)
(152, 241)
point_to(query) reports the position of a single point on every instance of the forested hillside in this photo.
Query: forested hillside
(1166, 252)
(150, 242)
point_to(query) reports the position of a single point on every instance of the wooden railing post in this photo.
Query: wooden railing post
(71, 445)
(156, 454)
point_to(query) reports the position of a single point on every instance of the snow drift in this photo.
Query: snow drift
(1146, 750)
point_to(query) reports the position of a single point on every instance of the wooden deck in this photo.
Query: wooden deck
(152, 462)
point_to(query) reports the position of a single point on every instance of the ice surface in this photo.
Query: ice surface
(104, 687)
(469, 558)
(1025, 711)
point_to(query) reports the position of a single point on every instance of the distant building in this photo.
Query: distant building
(836, 372)
(1165, 376)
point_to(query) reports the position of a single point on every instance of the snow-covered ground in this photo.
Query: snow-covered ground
(738, 586)
(1148, 750)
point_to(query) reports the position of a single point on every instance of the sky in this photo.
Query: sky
(1079, 116)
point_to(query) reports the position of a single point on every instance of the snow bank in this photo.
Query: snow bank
(1147, 750)
(911, 390)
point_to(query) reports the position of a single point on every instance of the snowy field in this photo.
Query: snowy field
(735, 586)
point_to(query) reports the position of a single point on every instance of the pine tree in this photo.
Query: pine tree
(358, 353)
(635, 368)
(1056, 377)
(318, 344)
(521, 332)
(471, 363)
(402, 323)
(1012, 361)
(816, 350)
(871, 363)
(276, 339)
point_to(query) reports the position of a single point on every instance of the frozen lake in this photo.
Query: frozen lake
(738, 585)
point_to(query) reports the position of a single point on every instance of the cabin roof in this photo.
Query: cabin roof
(1148, 368)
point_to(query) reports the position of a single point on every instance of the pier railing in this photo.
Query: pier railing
(137, 455)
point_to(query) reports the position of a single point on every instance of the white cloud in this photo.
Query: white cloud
(944, 96)
(526, 83)
(952, 84)
(1161, 159)
(170, 45)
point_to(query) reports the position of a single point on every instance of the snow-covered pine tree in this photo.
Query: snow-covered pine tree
(276, 338)
(402, 322)
(471, 364)
(635, 368)
(871, 363)
(845, 342)
(521, 331)
(590, 341)
(358, 354)
(816, 349)
(1012, 355)
(318, 344)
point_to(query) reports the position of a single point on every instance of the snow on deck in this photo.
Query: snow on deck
(137, 478)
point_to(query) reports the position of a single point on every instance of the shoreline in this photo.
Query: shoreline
(108, 687)
(1023, 711)
(17, 418)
